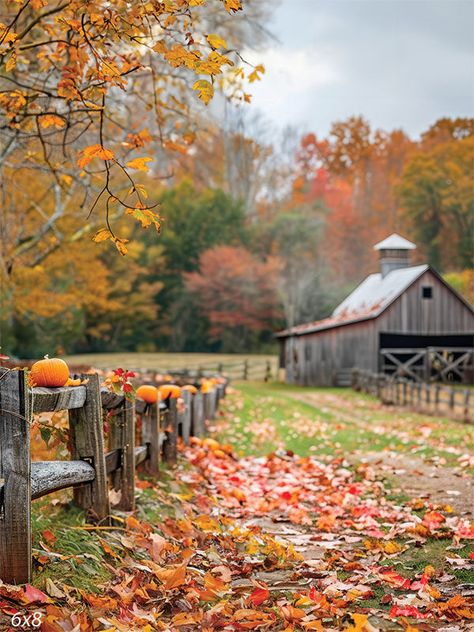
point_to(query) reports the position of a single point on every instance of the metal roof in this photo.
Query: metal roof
(367, 301)
(377, 292)
(395, 242)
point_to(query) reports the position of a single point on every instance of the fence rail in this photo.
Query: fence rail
(99, 461)
(435, 399)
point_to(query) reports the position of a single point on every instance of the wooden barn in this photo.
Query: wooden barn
(404, 320)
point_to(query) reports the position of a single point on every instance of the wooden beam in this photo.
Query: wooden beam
(50, 476)
(51, 399)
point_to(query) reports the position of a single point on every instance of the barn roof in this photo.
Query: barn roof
(367, 301)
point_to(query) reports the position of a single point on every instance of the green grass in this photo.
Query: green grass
(271, 417)
(82, 563)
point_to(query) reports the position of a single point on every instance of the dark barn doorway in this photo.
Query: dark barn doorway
(427, 358)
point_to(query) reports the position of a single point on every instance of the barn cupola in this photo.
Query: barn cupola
(394, 253)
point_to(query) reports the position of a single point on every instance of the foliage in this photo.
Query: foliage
(437, 194)
(236, 292)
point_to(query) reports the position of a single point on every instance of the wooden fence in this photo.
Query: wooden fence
(435, 399)
(98, 462)
(242, 370)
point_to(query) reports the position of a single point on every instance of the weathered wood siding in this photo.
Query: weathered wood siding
(444, 313)
(315, 359)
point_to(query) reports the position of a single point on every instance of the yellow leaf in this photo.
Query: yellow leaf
(49, 120)
(11, 63)
(232, 5)
(256, 72)
(146, 217)
(140, 163)
(102, 235)
(120, 245)
(196, 3)
(215, 41)
(94, 151)
(206, 90)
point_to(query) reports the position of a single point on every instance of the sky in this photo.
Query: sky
(399, 63)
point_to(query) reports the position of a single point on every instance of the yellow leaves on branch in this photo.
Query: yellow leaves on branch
(94, 151)
(205, 90)
(140, 163)
(146, 217)
(232, 6)
(215, 41)
(256, 72)
(51, 120)
(104, 234)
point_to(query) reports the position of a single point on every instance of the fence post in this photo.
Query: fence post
(151, 437)
(171, 431)
(437, 397)
(467, 394)
(198, 428)
(124, 439)
(452, 395)
(87, 443)
(246, 370)
(268, 372)
(186, 416)
(15, 472)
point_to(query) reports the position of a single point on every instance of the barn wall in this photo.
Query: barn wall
(445, 313)
(315, 359)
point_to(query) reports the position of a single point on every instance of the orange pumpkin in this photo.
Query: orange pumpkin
(207, 386)
(189, 387)
(148, 393)
(50, 372)
(169, 390)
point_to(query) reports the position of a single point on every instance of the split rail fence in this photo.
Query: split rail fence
(98, 462)
(435, 399)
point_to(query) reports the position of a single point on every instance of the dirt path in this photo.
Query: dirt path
(409, 475)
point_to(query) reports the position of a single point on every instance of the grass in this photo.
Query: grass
(269, 416)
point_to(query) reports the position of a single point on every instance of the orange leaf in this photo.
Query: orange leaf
(94, 151)
(173, 577)
(140, 163)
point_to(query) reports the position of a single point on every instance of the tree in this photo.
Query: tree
(236, 292)
(87, 86)
(437, 195)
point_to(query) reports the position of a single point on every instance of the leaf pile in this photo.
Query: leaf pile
(276, 542)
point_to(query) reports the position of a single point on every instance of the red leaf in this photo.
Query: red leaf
(34, 595)
(259, 595)
(406, 611)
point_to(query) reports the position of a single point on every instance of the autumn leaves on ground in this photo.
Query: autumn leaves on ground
(310, 510)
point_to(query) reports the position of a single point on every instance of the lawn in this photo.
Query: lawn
(338, 421)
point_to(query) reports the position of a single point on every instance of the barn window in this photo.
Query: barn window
(427, 291)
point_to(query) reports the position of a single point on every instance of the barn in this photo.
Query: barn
(403, 320)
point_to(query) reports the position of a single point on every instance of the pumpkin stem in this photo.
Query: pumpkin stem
(46, 357)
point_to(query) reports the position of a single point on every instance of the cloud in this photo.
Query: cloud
(400, 64)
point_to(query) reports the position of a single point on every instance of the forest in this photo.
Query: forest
(248, 229)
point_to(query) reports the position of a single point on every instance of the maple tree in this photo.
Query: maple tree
(236, 292)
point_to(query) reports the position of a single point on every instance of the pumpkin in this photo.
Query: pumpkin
(148, 393)
(207, 386)
(189, 387)
(50, 372)
(169, 390)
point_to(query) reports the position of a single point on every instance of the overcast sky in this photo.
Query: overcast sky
(400, 63)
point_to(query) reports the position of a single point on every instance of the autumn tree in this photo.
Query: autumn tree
(236, 291)
(437, 195)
